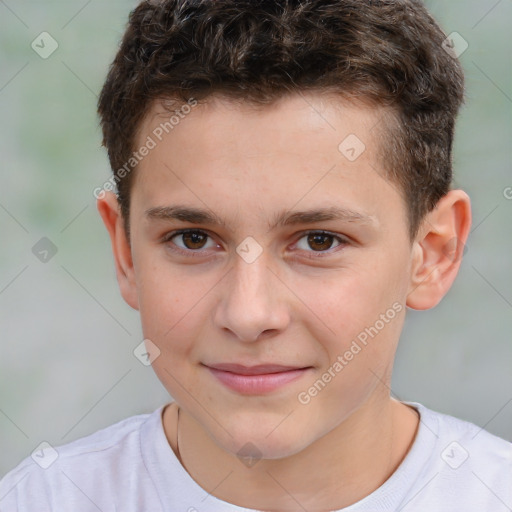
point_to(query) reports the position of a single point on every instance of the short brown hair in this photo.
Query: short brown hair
(388, 53)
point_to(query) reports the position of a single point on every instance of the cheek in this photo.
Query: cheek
(167, 302)
(345, 304)
(358, 313)
(170, 315)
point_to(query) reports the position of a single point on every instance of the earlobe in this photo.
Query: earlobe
(108, 207)
(438, 250)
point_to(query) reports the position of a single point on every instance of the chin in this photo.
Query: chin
(260, 442)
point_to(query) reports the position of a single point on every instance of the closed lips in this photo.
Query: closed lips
(263, 369)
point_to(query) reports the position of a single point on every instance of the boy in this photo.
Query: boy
(283, 177)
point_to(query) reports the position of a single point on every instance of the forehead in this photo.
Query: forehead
(316, 111)
(238, 153)
(294, 124)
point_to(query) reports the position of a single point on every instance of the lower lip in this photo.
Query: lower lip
(257, 384)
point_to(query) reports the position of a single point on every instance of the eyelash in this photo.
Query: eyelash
(199, 252)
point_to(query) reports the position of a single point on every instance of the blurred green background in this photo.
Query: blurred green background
(67, 366)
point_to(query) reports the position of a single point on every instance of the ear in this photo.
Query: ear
(110, 212)
(438, 249)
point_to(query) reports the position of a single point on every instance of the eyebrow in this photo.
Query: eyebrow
(284, 218)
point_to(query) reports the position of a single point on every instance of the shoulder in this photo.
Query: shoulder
(468, 464)
(475, 440)
(80, 466)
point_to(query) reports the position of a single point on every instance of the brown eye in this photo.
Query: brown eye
(194, 239)
(319, 241)
(188, 241)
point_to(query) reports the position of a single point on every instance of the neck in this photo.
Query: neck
(347, 464)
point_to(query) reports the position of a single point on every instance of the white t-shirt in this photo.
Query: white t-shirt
(452, 466)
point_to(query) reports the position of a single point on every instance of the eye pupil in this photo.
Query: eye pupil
(317, 239)
(194, 237)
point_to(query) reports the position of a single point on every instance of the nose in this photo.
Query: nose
(253, 302)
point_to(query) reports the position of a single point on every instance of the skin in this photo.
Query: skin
(300, 303)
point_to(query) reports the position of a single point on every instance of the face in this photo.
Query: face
(254, 282)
